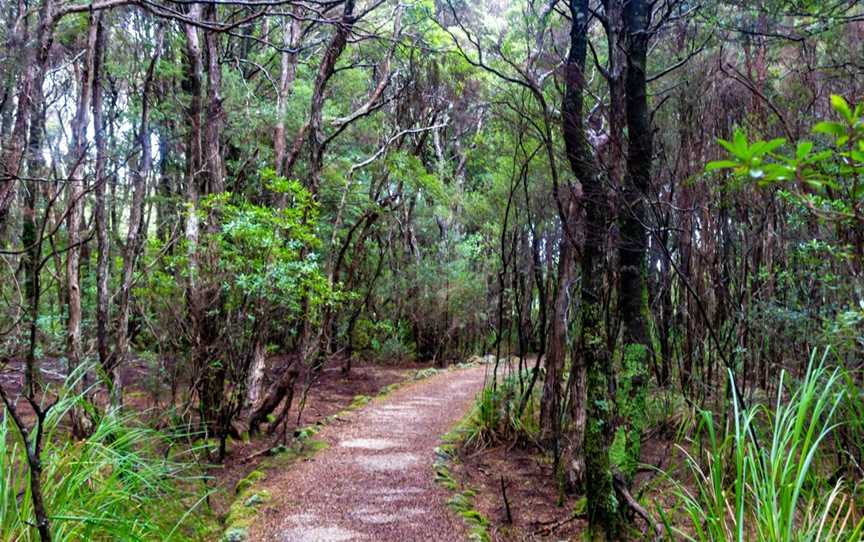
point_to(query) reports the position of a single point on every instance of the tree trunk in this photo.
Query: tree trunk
(588, 453)
(282, 388)
(255, 381)
(100, 174)
(551, 401)
(32, 236)
(632, 295)
(35, 61)
(132, 248)
(291, 42)
(325, 72)
(76, 208)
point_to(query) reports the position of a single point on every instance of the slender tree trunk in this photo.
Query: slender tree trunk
(632, 295)
(194, 180)
(76, 208)
(588, 454)
(35, 59)
(291, 43)
(326, 68)
(132, 248)
(31, 236)
(101, 177)
(551, 401)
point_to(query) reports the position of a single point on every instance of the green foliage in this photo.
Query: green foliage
(478, 525)
(767, 485)
(837, 168)
(266, 253)
(462, 502)
(494, 416)
(123, 482)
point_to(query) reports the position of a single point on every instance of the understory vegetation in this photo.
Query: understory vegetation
(125, 481)
(645, 218)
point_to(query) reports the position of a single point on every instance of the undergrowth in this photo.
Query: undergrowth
(761, 478)
(123, 482)
(495, 415)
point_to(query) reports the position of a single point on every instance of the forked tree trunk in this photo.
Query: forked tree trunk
(282, 388)
(586, 386)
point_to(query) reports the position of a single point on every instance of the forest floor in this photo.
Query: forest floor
(514, 490)
(374, 480)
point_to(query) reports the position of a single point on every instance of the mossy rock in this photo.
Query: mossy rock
(249, 481)
(235, 535)
(257, 498)
(244, 509)
(426, 373)
(284, 456)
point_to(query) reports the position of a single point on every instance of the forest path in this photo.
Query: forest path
(375, 481)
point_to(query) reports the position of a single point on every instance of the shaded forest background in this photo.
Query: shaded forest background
(644, 211)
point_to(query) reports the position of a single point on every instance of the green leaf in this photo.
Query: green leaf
(830, 128)
(764, 147)
(840, 105)
(720, 164)
(803, 149)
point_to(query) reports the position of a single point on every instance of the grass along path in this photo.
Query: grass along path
(375, 480)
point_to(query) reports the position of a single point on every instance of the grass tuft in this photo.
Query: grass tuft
(761, 481)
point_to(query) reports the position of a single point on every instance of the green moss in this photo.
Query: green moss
(602, 503)
(285, 456)
(235, 535)
(390, 389)
(631, 405)
(358, 402)
(249, 481)
(426, 373)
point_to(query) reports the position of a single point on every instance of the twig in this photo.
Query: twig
(508, 515)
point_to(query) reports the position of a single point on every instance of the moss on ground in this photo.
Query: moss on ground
(462, 500)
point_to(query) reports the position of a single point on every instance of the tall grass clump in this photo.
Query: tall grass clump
(495, 415)
(761, 481)
(123, 482)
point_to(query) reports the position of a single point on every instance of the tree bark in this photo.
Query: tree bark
(632, 294)
(326, 69)
(35, 61)
(588, 452)
(282, 388)
(100, 179)
(76, 207)
(551, 401)
(289, 57)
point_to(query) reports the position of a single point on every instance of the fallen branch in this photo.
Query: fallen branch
(624, 492)
(546, 531)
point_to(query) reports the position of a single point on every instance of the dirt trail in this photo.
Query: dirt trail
(375, 482)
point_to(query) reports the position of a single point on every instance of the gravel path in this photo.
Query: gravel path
(375, 482)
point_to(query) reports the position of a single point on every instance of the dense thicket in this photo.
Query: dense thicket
(187, 188)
